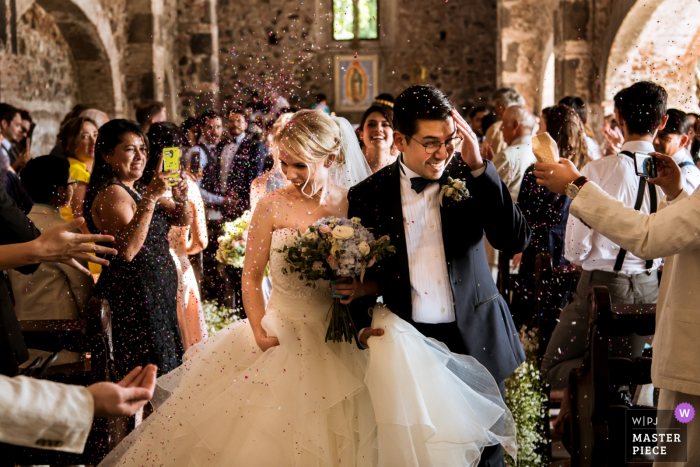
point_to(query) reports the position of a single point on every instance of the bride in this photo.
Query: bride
(269, 391)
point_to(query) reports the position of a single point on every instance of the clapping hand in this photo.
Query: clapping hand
(614, 138)
(669, 176)
(127, 396)
(471, 155)
(61, 245)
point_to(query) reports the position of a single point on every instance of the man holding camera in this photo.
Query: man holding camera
(641, 113)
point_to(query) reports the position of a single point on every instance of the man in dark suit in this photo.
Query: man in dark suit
(439, 279)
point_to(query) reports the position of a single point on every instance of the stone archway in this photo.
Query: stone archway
(658, 40)
(88, 33)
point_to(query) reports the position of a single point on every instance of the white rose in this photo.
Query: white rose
(318, 266)
(459, 185)
(363, 247)
(342, 232)
(449, 192)
(309, 235)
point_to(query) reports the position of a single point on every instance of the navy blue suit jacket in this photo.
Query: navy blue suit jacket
(482, 315)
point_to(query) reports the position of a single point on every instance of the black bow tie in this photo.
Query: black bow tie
(419, 183)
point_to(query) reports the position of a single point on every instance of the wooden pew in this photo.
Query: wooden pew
(91, 335)
(597, 416)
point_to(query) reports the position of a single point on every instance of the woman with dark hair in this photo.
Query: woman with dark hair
(547, 213)
(376, 134)
(77, 137)
(184, 240)
(141, 280)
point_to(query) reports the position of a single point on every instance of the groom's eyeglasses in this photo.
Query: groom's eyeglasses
(434, 146)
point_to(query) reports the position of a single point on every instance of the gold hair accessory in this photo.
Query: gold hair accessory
(383, 102)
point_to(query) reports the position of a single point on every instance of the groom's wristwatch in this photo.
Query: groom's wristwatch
(574, 187)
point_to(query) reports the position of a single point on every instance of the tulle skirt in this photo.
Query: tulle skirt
(407, 401)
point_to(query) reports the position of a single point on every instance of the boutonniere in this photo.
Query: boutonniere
(455, 189)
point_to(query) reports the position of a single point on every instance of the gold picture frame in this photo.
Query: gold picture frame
(355, 82)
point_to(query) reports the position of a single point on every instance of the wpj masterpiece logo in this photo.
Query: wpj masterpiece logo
(657, 435)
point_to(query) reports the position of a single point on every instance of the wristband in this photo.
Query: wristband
(148, 198)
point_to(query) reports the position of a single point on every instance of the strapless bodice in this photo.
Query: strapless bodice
(290, 295)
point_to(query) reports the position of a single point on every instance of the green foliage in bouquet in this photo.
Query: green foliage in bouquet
(232, 243)
(528, 404)
(335, 248)
(218, 317)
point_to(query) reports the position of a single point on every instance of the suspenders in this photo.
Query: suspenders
(637, 205)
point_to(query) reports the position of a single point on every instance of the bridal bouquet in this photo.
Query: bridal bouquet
(232, 243)
(336, 249)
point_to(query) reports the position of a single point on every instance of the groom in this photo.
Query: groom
(439, 279)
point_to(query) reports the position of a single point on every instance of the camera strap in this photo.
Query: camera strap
(685, 164)
(637, 205)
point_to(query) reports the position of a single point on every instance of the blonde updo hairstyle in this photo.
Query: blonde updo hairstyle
(279, 124)
(312, 137)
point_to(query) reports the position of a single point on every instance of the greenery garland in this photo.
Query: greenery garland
(528, 404)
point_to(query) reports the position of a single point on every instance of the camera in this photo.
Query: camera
(645, 165)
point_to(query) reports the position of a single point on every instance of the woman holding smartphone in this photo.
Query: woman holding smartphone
(141, 280)
(185, 240)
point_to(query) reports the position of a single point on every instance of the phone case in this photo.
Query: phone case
(171, 161)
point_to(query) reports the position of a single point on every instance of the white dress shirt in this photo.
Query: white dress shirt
(616, 176)
(690, 173)
(43, 414)
(594, 152)
(513, 161)
(431, 299)
(211, 199)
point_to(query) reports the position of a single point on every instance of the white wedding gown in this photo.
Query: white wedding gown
(404, 402)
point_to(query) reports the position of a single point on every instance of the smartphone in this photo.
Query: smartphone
(171, 161)
(645, 165)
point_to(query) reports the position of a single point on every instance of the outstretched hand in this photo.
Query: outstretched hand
(127, 396)
(556, 176)
(61, 245)
(669, 176)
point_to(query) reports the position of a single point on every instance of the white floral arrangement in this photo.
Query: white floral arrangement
(528, 404)
(455, 189)
(218, 317)
(232, 243)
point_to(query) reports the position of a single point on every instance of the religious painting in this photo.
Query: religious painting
(355, 82)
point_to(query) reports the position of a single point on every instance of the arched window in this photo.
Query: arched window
(548, 83)
(355, 18)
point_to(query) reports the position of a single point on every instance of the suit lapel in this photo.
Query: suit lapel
(398, 232)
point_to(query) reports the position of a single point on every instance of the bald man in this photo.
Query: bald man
(511, 163)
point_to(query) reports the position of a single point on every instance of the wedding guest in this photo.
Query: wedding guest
(516, 128)
(141, 280)
(98, 116)
(191, 132)
(11, 127)
(671, 233)
(209, 149)
(547, 214)
(55, 290)
(242, 161)
(376, 133)
(542, 128)
(184, 240)
(74, 112)
(476, 115)
(581, 109)
(672, 140)
(77, 137)
(321, 103)
(501, 100)
(27, 125)
(272, 179)
(694, 138)
(385, 99)
(641, 111)
(150, 112)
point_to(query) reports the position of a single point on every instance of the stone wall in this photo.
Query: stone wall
(288, 46)
(41, 77)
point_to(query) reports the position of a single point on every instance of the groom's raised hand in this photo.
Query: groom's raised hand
(471, 154)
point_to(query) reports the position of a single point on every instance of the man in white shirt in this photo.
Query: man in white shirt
(672, 140)
(580, 107)
(641, 112)
(501, 100)
(511, 163)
